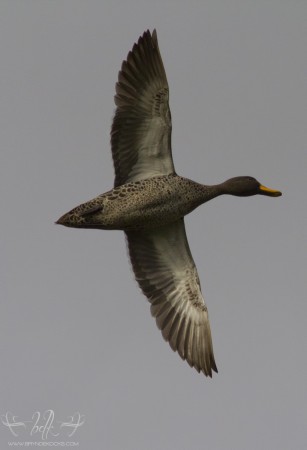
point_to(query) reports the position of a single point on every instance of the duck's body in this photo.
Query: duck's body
(144, 204)
(149, 201)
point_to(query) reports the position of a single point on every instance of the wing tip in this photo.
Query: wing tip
(201, 358)
(149, 34)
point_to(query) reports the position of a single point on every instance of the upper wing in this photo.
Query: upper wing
(165, 270)
(141, 129)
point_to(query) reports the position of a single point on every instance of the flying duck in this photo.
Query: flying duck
(149, 201)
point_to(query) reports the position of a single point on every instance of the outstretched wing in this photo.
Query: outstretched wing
(165, 270)
(141, 129)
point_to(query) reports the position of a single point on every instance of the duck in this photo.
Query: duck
(149, 201)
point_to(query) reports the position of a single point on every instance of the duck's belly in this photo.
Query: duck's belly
(148, 203)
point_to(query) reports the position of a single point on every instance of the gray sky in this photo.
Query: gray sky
(75, 331)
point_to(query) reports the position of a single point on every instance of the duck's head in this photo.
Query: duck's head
(247, 186)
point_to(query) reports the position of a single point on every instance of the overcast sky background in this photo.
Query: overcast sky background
(75, 331)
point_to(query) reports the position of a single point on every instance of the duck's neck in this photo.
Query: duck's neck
(210, 192)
